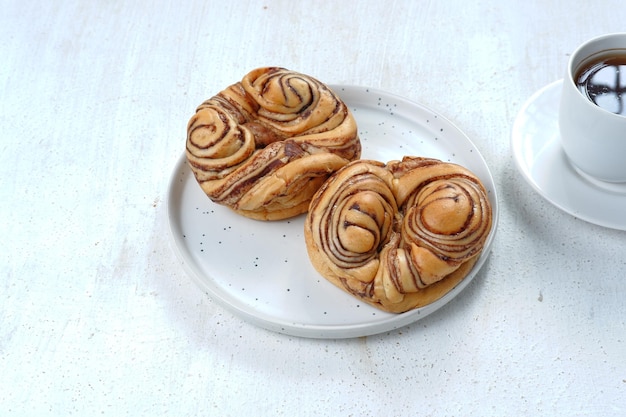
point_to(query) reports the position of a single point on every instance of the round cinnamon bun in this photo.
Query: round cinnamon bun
(264, 145)
(398, 235)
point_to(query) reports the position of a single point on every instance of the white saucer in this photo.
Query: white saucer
(261, 271)
(540, 158)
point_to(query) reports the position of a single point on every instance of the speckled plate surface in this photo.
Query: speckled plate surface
(261, 271)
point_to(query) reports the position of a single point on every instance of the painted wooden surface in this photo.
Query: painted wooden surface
(97, 316)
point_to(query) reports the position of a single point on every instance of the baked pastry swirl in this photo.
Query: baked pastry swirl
(264, 145)
(398, 235)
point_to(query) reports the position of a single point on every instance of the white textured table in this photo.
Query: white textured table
(97, 316)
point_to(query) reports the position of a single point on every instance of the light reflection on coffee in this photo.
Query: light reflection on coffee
(602, 79)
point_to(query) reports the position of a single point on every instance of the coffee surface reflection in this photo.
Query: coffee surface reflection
(603, 81)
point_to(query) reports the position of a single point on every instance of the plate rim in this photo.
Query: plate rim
(339, 331)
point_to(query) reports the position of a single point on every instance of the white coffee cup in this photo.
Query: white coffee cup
(593, 138)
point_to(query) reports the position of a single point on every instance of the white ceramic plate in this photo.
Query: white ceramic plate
(261, 270)
(536, 144)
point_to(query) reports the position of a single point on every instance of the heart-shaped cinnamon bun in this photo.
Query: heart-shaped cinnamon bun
(398, 235)
(264, 145)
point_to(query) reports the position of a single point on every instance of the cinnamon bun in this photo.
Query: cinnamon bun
(398, 235)
(264, 145)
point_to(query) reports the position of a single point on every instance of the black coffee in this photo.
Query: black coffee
(602, 79)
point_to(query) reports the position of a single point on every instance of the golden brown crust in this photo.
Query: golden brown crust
(264, 145)
(401, 235)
